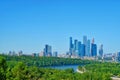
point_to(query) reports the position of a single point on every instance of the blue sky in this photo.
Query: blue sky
(30, 24)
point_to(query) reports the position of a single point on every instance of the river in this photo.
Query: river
(65, 67)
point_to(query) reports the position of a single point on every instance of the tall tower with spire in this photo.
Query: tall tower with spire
(93, 41)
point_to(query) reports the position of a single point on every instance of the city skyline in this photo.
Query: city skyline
(86, 48)
(76, 47)
(29, 25)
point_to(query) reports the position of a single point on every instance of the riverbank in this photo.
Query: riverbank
(115, 78)
(81, 72)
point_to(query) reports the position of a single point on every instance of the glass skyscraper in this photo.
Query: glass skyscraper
(85, 40)
(55, 54)
(101, 51)
(48, 50)
(82, 50)
(71, 46)
(75, 45)
(93, 49)
(88, 48)
(79, 48)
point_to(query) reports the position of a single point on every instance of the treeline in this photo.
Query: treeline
(111, 69)
(44, 61)
(22, 71)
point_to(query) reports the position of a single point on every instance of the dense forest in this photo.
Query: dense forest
(32, 68)
(44, 61)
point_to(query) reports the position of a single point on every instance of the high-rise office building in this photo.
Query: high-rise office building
(93, 49)
(84, 40)
(71, 46)
(93, 41)
(118, 56)
(55, 54)
(48, 50)
(82, 50)
(101, 51)
(88, 48)
(75, 45)
(79, 48)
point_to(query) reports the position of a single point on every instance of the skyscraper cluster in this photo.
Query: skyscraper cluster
(47, 50)
(86, 48)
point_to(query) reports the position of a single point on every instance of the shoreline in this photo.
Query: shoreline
(81, 72)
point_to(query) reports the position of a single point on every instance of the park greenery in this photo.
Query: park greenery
(44, 61)
(32, 68)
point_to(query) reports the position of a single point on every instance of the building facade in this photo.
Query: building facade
(48, 50)
(93, 50)
(101, 51)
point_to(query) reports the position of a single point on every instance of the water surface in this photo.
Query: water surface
(65, 67)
